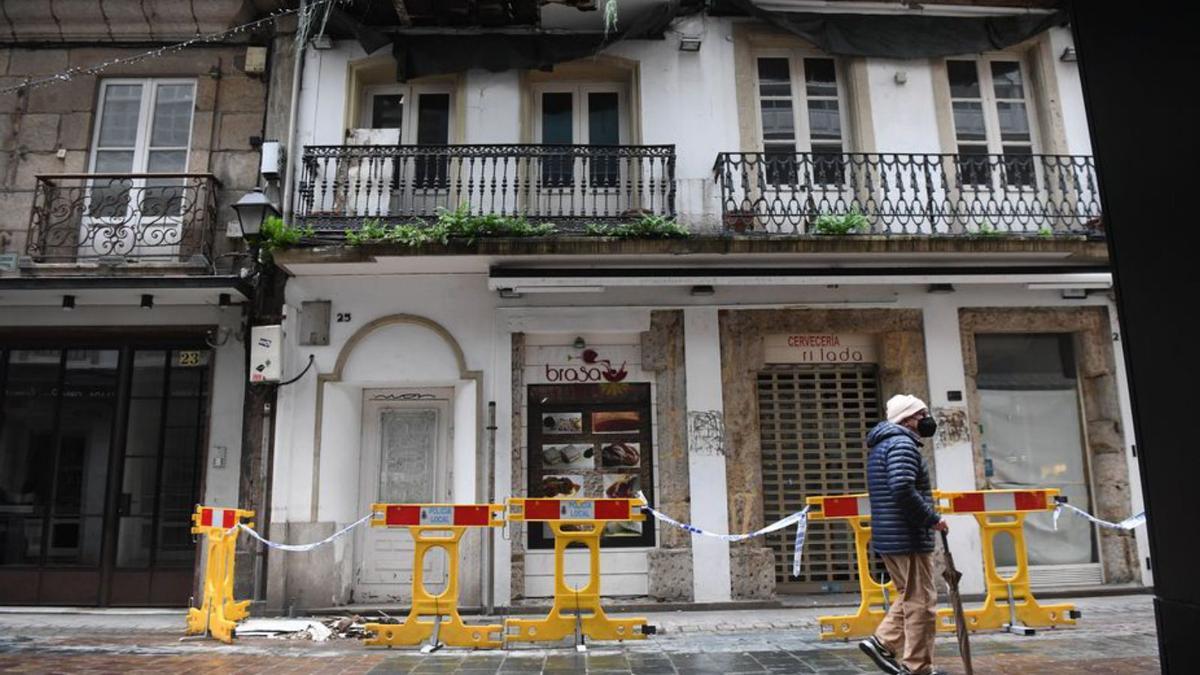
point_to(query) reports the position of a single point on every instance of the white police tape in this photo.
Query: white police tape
(300, 548)
(799, 518)
(1127, 524)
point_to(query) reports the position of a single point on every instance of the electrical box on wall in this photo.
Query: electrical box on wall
(266, 353)
(314, 323)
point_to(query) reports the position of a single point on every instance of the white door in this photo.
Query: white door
(405, 459)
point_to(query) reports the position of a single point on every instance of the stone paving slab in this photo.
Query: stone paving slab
(1116, 635)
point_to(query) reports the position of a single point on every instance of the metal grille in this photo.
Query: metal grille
(813, 421)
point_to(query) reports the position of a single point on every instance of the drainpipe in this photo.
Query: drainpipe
(293, 109)
(489, 493)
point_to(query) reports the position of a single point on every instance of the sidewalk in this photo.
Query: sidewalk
(1115, 635)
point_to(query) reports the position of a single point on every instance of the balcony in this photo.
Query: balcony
(569, 185)
(115, 218)
(908, 194)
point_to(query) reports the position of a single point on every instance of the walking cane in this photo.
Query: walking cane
(952, 575)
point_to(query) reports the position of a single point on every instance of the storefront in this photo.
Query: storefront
(102, 445)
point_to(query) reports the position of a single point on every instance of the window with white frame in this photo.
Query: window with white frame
(991, 109)
(810, 122)
(144, 127)
(594, 113)
(421, 114)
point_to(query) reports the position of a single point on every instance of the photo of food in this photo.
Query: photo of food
(561, 486)
(620, 454)
(622, 421)
(622, 528)
(560, 456)
(562, 423)
(621, 485)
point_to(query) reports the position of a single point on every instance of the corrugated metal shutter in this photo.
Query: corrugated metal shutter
(813, 422)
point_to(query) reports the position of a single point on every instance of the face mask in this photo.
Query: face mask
(926, 427)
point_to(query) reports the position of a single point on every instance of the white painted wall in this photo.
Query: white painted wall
(706, 470)
(687, 99)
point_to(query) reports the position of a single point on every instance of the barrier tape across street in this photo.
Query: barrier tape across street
(1127, 524)
(300, 548)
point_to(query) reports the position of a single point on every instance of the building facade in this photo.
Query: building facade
(912, 208)
(122, 330)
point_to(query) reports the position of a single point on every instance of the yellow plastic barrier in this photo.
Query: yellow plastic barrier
(436, 617)
(219, 612)
(1004, 511)
(576, 611)
(856, 510)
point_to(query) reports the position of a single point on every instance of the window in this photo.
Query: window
(1032, 436)
(811, 125)
(427, 122)
(590, 114)
(990, 108)
(144, 126)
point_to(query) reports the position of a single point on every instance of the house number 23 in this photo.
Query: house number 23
(343, 317)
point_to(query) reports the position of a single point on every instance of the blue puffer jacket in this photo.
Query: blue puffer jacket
(898, 481)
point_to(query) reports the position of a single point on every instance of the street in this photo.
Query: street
(1116, 635)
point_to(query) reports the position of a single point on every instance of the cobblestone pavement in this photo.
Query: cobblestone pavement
(1115, 635)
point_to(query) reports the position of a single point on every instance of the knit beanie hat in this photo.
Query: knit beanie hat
(903, 406)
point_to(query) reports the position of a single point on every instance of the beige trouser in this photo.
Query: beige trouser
(911, 621)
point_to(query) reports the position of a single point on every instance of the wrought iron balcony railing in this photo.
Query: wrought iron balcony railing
(343, 185)
(159, 217)
(909, 194)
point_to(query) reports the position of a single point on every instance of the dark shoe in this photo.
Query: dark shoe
(881, 655)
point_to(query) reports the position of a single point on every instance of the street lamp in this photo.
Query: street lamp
(253, 209)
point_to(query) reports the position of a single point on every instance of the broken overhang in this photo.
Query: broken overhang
(905, 36)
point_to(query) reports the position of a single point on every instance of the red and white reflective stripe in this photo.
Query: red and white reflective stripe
(578, 509)
(459, 515)
(846, 507)
(210, 517)
(1019, 500)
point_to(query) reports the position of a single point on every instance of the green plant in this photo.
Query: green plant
(646, 227)
(276, 234)
(457, 224)
(846, 223)
(1046, 232)
(983, 228)
(460, 223)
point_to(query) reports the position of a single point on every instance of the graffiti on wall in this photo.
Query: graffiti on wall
(952, 426)
(706, 432)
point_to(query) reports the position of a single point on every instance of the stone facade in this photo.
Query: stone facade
(901, 369)
(662, 353)
(517, 530)
(49, 130)
(1103, 433)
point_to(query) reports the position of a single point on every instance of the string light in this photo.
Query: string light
(71, 73)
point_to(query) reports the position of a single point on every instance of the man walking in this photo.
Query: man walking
(902, 525)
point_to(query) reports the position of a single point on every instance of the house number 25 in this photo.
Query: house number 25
(343, 317)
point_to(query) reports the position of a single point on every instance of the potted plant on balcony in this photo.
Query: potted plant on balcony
(853, 222)
(739, 220)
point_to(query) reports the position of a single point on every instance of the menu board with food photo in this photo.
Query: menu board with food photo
(620, 455)
(595, 441)
(560, 486)
(568, 456)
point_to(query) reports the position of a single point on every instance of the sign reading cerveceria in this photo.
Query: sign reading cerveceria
(819, 348)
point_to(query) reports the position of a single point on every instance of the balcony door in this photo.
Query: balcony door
(582, 182)
(803, 124)
(144, 127)
(403, 181)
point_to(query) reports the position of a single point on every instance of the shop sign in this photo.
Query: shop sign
(819, 348)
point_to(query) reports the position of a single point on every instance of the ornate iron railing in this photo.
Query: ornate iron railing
(343, 185)
(167, 217)
(909, 194)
